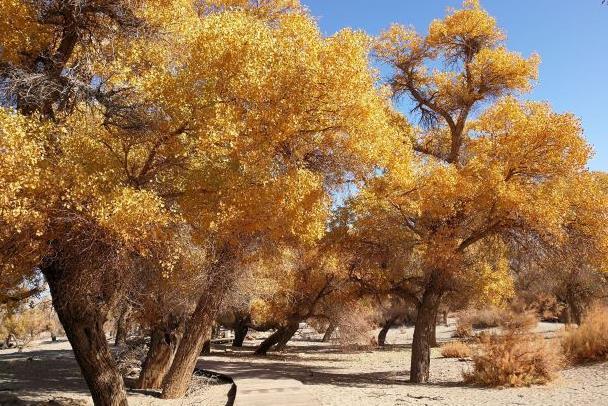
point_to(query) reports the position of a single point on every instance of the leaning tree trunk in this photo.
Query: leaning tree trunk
(178, 378)
(163, 344)
(329, 332)
(121, 327)
(83, 325)
(288, 334)
(425, 320)
(384, 331)
(271, 340)
(241, 328)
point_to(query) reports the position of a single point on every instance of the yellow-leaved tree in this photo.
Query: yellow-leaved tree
(503, 173)
(171, 138)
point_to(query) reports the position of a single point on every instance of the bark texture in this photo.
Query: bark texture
(423, 330)
(163, 344)
(197, 331)
(121, 326)
(384, 330)
(241, 328)
(329, 332)
(83, 322)
(287, 335)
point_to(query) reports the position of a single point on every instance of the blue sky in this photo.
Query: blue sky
(571, 37)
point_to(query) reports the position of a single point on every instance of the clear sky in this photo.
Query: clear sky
(571, 37)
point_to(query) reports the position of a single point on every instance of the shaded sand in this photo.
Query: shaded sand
(47, 373)
(379, 377)
(333, 375)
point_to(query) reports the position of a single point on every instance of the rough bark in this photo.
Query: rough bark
(433, 337)
(121, 327)
(163, 344)
(206, 347)
(384, 331)
(425, 320)
(83, 324)
(329, 332)
(271, 340)
(576, 314)
(178, 378)
(241, 327)
(288, 334)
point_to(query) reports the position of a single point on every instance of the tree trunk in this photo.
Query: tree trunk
(121, 327)
(271, 340)
(445, 318)
(384, 331)
(329, 332)
(425, 320)
(288, 334)
(206, 347)
(433, 338)
(241, 328)
(163, 343)
(567, 315)
(83, 324)
(178, 378)
(53, 336)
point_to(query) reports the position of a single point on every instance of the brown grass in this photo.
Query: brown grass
(455, 349)
(588, 342)
(516, 357)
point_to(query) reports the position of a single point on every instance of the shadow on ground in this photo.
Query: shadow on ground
(41, 372)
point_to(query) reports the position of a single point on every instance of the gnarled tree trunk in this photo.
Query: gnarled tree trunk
(121, 326)
(329, 332)
(288, 334)
(384, 331)
(197, 331)
(425, 321)
(83, 324)
(163, 344)
(270, 341)
(241, 327)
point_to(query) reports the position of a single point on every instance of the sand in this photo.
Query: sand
(46, 373)
(334, 375)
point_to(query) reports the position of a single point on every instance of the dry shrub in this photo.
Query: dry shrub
(516, 358)
(588, 342)
(477, 318)
(486, 318)
(519, 321)
(355, 329)
(455, 349)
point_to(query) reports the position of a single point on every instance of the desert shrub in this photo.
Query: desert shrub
(455, 349)
(516, 358)
(518, 321)
(588, 342)
(486, 318)
(355, 329)
(464, 327)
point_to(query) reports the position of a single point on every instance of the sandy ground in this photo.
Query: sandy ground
(46, 373)
(334, 375)
(379, 377)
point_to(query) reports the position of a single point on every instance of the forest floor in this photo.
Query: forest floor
(333, 374)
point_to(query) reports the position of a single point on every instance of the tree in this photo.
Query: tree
(502, 175)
